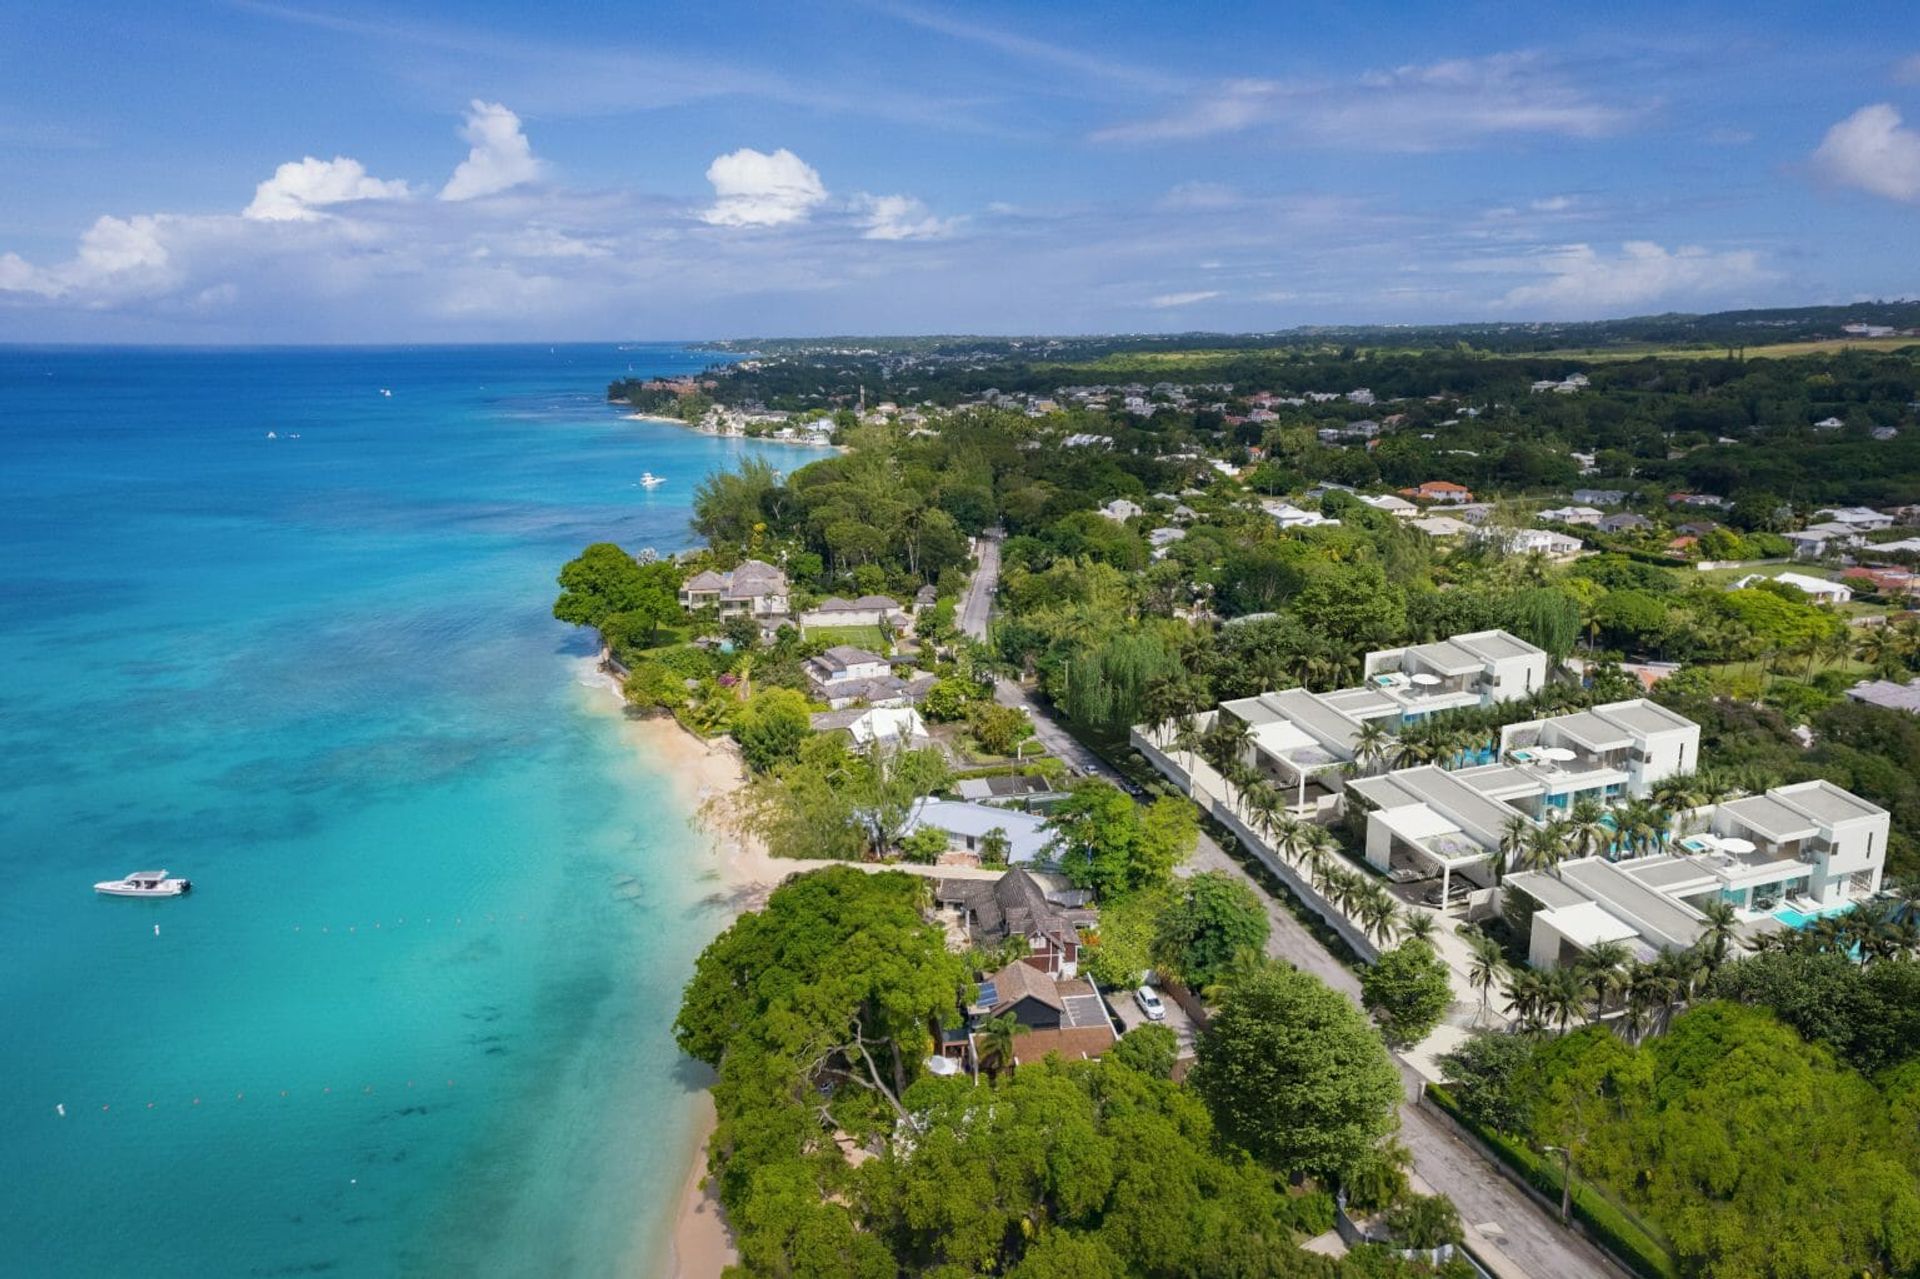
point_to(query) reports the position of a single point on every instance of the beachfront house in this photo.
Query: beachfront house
(842, 667)
(967, 827)
(754, 589)
(1045, 911)
(890, 727)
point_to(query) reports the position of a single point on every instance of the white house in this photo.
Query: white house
(1828, 424)
(1822, 591)
(887, 725)
(1442, 526)
(1620, 748)
(1525, 541)
(1287, 515)
(1476, 669)
(842, 666)
(1863, 518)
(1392, 505)
(1120, 510)
(1587, 515)
(967, 826)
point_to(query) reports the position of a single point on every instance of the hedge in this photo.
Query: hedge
(1625, 1237)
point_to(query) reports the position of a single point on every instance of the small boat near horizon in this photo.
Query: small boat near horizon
(648, 480)
(143, 883)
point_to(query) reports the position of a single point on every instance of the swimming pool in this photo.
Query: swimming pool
(1800, 919)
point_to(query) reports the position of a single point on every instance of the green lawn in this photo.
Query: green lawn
(868, 637)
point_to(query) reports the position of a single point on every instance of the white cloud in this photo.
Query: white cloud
(752, 188)
(115, 258)
(300, 189)
(1578, 279)
(899, 217)
(1167, 301)
(501, 157)
(1409, 108)
(1871, 150)
(1195, 196)
(1553, 204)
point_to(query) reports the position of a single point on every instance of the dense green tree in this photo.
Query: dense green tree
(1407, 990)
(1214, 921)
(1292, 1072)
(770, 726)
(1106, 842)
(1151, 1049)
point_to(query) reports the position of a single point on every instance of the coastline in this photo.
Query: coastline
(742, 874)
(698, 429)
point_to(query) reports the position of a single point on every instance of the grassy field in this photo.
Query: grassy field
(1726, 577)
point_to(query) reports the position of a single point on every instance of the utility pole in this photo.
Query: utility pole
(1566, 1181)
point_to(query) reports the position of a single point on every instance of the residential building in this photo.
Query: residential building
(1439, 491)
(1046, 912)
(841, 666)
(1781, 860)
(1476, 669)
(1884, 692)
(1062, 1015)
(1600, 497)
(1624, 522)
(1604, 752)
(1441, 526)
(755, 589)
(1587, 515)
(1863, 518)
(967, 825)
(1120, 510)
(1289, 516)
(869, 610)
(1828, 424)
(1397, 506)
(1819, 588)
(1698, 499)
(1526, 541)
(886, 726)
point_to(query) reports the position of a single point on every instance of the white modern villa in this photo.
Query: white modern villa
(1781, 859)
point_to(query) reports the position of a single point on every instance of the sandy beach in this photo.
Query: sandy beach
(742, 875)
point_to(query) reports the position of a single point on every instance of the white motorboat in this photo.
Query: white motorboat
(648, 480)
(144, 883)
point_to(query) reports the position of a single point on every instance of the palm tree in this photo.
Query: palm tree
(1513, 843)
(1264, 806)
(1604, 969)
(1525, 992)
(996, 1036)
(1642, 825)
(1587, 832)
(1905, 893)
(1488, 963)
(1418, 925)
(1723, 924)
(1186, 738)
(1317, 855)
(1646, 991)
(1545, 848)
(1561, 995)
(1379, 914)
(1413, 749)
(1370, 744)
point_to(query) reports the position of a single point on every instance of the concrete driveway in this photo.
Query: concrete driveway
(1177, 1020)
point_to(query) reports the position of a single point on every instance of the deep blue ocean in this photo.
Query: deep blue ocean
(414, 1017)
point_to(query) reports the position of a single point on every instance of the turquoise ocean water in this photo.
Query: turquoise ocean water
(413, 1019)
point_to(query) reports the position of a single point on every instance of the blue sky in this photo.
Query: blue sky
(311, 171)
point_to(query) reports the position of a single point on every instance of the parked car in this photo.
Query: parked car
(1149, 1001)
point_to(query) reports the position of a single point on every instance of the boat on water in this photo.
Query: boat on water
(648, 480)
(143, 883)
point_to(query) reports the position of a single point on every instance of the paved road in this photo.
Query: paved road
(1057, 740)
(977, 604)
